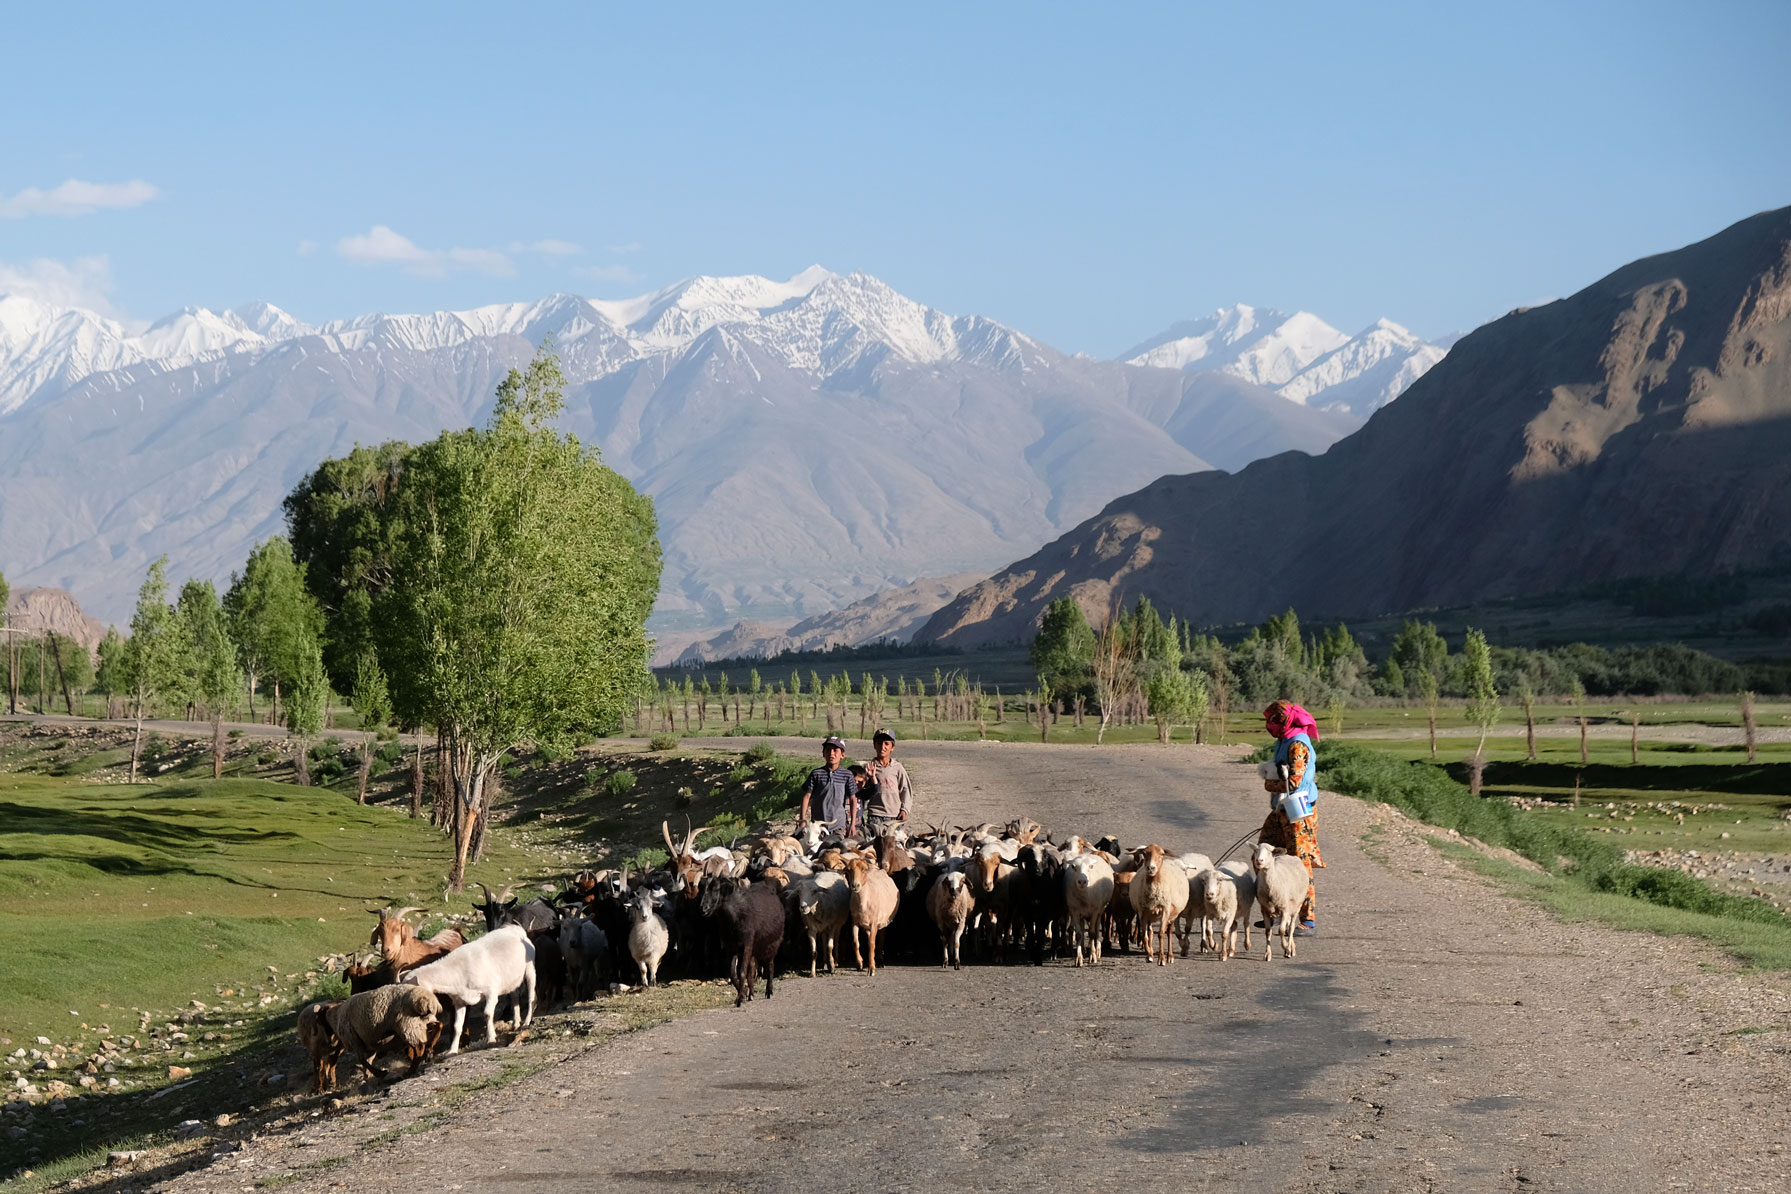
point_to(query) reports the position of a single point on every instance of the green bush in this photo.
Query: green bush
(1426, 793)
(330, 986)
(235, 734)
(620, 783)
(663, 742)
(760, 753)
(267, 758)
(741, 774)
(685, 798)
(390, 753)
(555, 752)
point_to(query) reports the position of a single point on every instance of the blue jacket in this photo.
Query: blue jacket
(1299, 803)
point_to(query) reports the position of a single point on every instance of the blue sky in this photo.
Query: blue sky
(1085, 173)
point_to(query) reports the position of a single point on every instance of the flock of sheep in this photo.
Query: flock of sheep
(999, 892)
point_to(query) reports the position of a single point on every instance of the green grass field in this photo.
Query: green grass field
(116, 897)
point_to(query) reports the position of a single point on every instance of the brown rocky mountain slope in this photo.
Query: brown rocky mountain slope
(36, 610)
(1640, 427)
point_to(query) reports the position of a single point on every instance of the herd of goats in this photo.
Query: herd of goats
(1002, 892)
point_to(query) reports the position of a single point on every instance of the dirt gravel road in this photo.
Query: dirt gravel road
(1438, 1035)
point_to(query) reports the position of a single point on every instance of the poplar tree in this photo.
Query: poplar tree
(212, 678)
(155, 652)
(1483, 691)
(523, 572)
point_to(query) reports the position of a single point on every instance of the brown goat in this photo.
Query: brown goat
(1159, 891)
(399, 944)
(1120, 918)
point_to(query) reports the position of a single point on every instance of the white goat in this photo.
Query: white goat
(1087, 890)
(825, 902)
(482, 972)
(1244, 879)
(648, 936)
(1281, 882)
(586, 950)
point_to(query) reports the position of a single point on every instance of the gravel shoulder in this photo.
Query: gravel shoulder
(1437, 1035)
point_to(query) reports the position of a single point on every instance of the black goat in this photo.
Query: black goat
(501, 910)
(752, 926)
(1044, 908)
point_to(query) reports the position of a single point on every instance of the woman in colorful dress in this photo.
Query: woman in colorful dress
(1293, 817)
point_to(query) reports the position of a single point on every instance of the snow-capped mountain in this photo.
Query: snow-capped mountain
(806, 442)
(1299, 356)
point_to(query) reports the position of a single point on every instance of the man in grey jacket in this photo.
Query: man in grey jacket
(888, 792)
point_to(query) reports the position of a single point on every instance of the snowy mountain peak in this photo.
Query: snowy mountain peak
(1299, 356)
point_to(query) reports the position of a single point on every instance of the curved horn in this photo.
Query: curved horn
(506, 893)
(665, 827)
(690, 836)
(379, 912)
(400, 913)
(487, 892)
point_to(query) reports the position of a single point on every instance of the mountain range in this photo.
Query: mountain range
(807, 442)
(1641, 427)
(1298, 356)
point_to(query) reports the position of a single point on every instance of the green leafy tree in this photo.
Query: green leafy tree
(1419, 648)
(155, 653)
(308, 690)
(523, 573)
(1482, 690)
(342, 529)
(212, 677)
(111, 678)
(272, 617)
(1063, 651)
(372, 702)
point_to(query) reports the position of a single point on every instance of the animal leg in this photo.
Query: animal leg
(814, 952)
(528, 974)
(491, 1003)
(459, 1024)
(871, 931)
(858, 945)
(770, 973)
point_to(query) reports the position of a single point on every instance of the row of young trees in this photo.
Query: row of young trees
(492, 585)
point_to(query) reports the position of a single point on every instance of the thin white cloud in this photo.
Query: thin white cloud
(609, 273)
(77, 198)
(382, 246)
(548, 248)
(86, 282)
(620, 250)
(307, 247)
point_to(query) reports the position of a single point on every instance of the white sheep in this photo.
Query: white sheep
(1087, 890)
(949, 904)
(482, 972)
(1244, 879)
(1194, 864)
(647, 936)
(825, 903)
(1281, 882)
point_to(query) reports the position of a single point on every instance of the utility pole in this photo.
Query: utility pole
(12, 665)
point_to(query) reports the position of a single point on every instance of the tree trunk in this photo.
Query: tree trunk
(469, 793)
(1582, 739)
(250, 678)
(416, 783)
(1530, 731)
(1635, 731)
(1101, 730)
(301, 762)
(273, 717)
(360, 795)
(68, 702)
(137, 742)
(1432, 717)
(217, 744)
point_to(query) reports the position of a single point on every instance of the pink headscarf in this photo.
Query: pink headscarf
(1284, 719)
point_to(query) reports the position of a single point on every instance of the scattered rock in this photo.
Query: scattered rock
(187, 1129)
(179, 1071)
(123, 1156)
(222, 1121)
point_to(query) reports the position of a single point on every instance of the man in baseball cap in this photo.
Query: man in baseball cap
(831, 791)
(888, 793)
